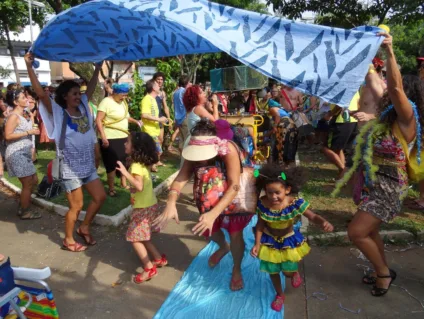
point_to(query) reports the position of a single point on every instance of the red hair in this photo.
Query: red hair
(191, 97)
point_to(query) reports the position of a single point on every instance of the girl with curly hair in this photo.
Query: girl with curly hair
(279, 246)
(141, 149)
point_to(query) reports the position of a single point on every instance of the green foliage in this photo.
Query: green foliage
(171, 68)
(352, 12)
(251, 5)
(135, 95)
(408, 40)
(5, 71)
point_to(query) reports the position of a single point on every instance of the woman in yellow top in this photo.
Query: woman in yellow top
(112, 124)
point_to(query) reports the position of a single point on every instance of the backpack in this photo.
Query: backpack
(49, 190)
(210, 184)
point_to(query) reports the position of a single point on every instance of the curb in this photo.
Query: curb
(386, 234)
(100, 219)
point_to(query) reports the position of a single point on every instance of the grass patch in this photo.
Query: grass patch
(113, 205)
(340, 210)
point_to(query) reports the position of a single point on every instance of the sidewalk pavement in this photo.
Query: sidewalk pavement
(97, 283)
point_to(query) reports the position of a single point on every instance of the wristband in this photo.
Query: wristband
(173, 190)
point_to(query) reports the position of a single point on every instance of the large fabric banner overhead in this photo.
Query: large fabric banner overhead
(327, 62)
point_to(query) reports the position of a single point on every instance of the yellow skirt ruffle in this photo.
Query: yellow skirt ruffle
(276, 256)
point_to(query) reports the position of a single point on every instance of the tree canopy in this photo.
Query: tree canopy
(353, 12)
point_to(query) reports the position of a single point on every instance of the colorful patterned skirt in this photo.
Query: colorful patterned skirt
(279, 254)
(140, 227)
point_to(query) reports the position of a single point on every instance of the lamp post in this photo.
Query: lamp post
(30, 4)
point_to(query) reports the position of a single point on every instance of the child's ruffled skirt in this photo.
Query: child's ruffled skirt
(279, 254)
(140, 226)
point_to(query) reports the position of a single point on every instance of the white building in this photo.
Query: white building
(21, 43)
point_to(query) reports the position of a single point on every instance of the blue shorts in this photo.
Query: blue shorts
(157, 143)
(69, 185)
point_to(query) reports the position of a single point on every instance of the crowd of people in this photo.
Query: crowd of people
(383, 160)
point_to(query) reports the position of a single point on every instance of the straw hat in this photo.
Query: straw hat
(198, 153)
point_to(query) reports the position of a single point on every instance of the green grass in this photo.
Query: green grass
(341, 209)
(113, 205)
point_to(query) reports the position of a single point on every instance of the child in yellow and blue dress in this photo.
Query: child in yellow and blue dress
(278, 246)
(141, 149)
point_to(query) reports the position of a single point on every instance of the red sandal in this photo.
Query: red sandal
(278, 303)
(152, 272)
(162, 262)
(296, 280)
(76, 247)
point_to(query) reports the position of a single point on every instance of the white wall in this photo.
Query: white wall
(43, 71)
(6, 62)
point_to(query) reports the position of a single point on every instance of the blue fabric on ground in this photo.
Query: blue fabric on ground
(205, 293)
(327, 62)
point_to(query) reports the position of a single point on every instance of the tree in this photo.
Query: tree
(13, 16)
(354, 12)
(408, 44)
(85, 70)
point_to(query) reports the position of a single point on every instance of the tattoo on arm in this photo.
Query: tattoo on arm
(236, 188)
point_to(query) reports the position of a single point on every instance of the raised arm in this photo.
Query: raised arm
(45, 98)
(91, 86)
(405, 114)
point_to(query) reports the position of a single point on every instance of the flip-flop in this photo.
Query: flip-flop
(235, 283)
(112, 193)
(415, 205)
(214, 259)
(84, 236)
(78, 247)
(27, 215)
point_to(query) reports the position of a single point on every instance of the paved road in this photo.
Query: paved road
(82, 283)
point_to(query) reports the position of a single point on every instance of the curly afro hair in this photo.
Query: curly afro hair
(271, 173)
(144, 149)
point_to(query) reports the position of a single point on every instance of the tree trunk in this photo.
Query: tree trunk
(56, 5)
(118, 77)
(196, 67)
(12, 56)
(78, 70)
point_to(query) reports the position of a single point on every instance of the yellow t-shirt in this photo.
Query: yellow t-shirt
(150, 106)
(353, 106)
(147, 197)
(114, 112)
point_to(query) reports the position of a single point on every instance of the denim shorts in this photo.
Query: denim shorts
(68, 185)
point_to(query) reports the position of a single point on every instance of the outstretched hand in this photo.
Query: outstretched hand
(169, 213)
(327, 227)
(205, 223)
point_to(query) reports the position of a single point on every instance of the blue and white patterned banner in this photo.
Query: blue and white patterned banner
(327, 62)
